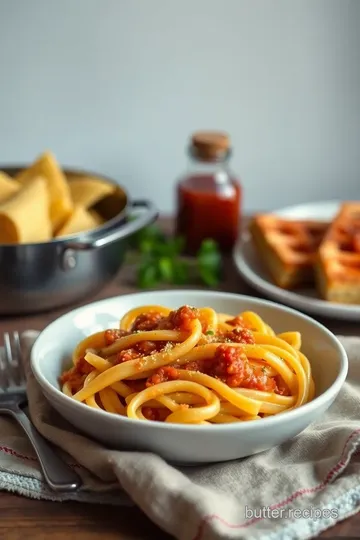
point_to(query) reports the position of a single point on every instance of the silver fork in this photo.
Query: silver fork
(59, 476)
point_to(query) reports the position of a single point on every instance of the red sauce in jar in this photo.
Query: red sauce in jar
(209, 197)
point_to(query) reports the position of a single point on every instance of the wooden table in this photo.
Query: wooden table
(24, 518)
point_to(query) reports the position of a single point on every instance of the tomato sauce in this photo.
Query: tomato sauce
(231, 366)
(208, 210)
(76, 375)
(209, 197)
(113, 334)
(163, 374)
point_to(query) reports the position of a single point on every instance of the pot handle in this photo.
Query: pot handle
(147, 216)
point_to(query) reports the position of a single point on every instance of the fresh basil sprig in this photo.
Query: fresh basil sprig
(161, 260)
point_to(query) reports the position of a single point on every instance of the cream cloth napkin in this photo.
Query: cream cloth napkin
(293, 491)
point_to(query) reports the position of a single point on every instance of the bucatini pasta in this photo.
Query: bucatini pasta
(190, 366)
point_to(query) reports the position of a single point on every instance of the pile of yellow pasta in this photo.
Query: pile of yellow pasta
(42, 202)
(194, 397)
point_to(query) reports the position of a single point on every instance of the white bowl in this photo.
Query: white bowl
(184, 443)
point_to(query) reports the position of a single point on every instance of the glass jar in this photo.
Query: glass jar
(209, 195)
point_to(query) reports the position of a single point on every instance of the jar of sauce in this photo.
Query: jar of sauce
(209, 195)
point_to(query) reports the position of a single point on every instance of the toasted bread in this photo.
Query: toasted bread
(338, 260)
(287, 248)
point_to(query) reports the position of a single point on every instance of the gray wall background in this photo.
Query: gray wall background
(118, 85)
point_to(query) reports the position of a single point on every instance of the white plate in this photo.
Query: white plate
(186, 443)
(307, 300)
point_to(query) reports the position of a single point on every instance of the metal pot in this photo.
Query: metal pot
(44, 276)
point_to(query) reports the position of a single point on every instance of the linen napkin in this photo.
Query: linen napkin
(293, 491)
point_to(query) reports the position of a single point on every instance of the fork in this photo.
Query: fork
(59, 476)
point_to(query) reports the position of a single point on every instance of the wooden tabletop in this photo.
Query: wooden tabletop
(24, 518)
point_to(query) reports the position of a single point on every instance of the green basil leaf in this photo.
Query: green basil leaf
(209, 253)
(169, 247)
(161, 249)
(208, 245)
(148, 276)
(146, 246)
(178, 245)
(152, 234)
(181, 271)
(165, 266)
(209, 262)
(208, 276)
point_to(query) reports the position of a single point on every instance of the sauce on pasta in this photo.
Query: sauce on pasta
(191, 366)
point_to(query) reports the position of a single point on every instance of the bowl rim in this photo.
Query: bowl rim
(12, 169)
(268, 422)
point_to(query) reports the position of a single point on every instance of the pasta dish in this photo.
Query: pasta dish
(190, 366)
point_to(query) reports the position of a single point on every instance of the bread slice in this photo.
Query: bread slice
(287, 248)
(61, 204)
(24, 217)
(338, 260)
(81, 220)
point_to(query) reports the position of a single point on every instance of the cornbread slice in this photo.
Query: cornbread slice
(86, 191)
(8, 186)
(61, 203)
(80, 220)
(24, 217)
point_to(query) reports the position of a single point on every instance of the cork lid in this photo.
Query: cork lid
(210, 145)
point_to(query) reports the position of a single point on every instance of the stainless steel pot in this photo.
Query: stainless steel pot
(44, 276)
